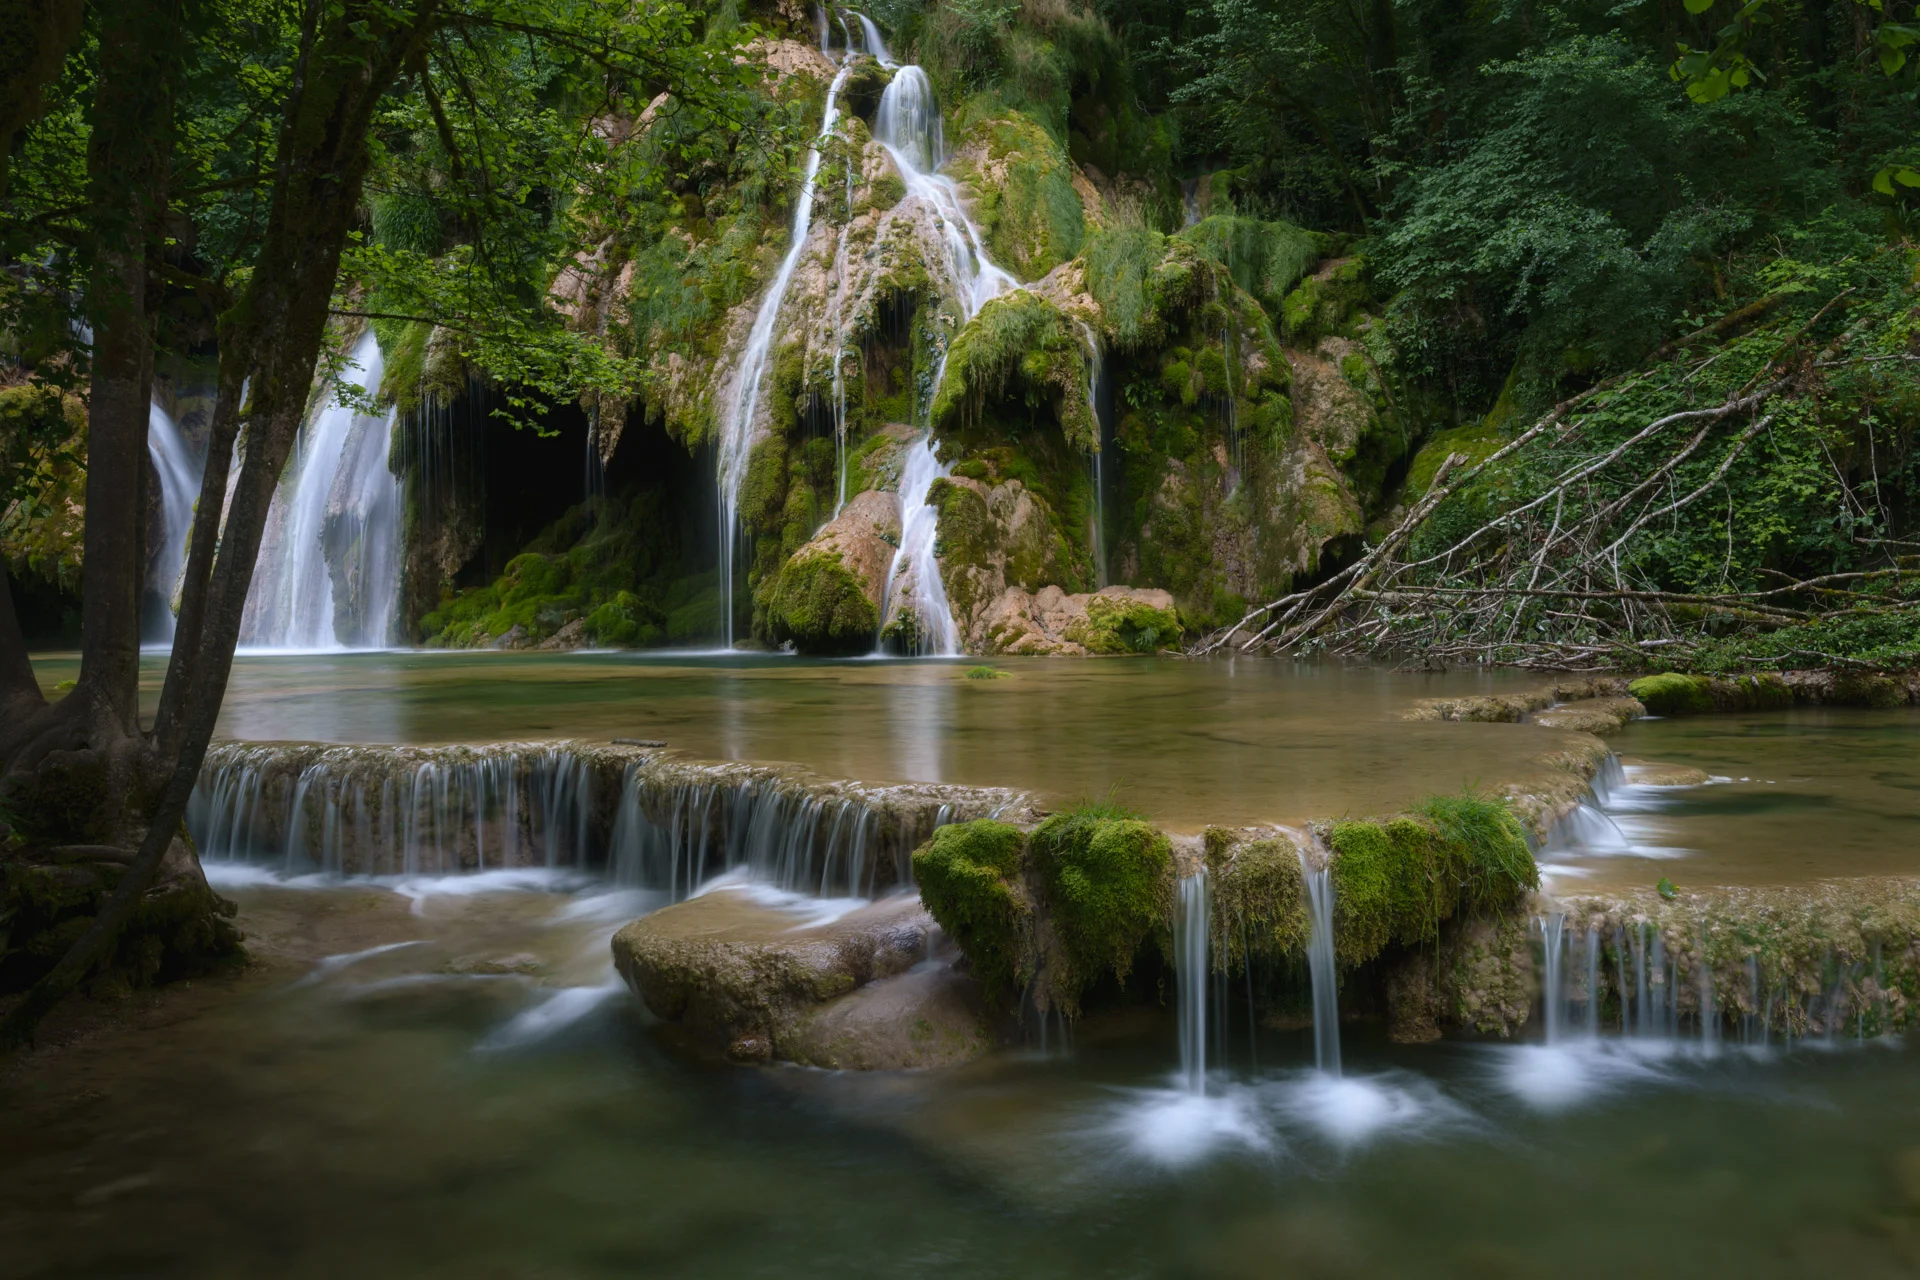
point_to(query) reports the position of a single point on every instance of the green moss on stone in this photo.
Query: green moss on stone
(1109, 884)
(821, 606)
(1673, 694)
(1259, 900)
(1117, 624)
(969, 876)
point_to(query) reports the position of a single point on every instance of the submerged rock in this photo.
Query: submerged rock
(1592, 715)
(1050, 621)
(759, 982)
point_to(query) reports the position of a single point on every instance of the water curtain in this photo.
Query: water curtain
(1191, 923)
(329, 569)
(177, 465)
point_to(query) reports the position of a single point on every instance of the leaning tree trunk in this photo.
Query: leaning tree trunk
(346, 67)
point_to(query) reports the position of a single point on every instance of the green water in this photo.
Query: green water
(365, 1124)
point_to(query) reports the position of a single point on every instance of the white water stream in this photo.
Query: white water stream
(1321, 966)
(329, 569)
(743, 402)
(1191, 922)
(177, 467)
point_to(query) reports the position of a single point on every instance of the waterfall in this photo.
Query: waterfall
(1553, 933)
(820, 29)
(643, 820)
(1321, 964)
(913, 581)
(736, 428)
(177, 466)
(908, 125)
(329, 569)
(876, 44)
(1096, 388)
(1192, 920)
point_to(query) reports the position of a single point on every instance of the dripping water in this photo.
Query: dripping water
(1321, 967)
(1190, 926)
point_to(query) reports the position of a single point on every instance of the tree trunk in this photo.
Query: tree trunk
(322, 161)
(19, 691)
(127, 161)
(39, 33)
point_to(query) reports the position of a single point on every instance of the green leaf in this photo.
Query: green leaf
(1698, 6)
(1666, 890)
(1907, 177)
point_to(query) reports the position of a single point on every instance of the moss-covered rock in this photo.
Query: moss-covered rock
(820, 606)
(1673, 694)
(1125, 624)
(1023, 196)
(1398, 881)
(971, 879)
(1109, 886)
(1259, 898)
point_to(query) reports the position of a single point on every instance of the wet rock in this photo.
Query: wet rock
(1050, 621)
(1484, 979)
(573, 635)
(1512, 708)
(1591, 715)
(826, 599)
(1647, 773)
(762, 983)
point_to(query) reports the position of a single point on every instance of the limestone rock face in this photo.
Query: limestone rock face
(762, 983)
(826, 598)
(1592, 715)
(1051, 621)
(992, 537)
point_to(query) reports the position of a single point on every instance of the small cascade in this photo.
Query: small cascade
(177, 466)
(329, 569)
(645, 820)
(916, 599)
(876, 44)
(1553, 993)
(907, 124)
(820, 29)
(1191, 922)
(737, 426)
(1587, 829)
(1321, 965)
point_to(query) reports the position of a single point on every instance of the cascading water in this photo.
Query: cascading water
(737, 427)
(1191, 924)
(1096, 402)
(876, 44)
(908, 125)
(329, 569)
(177, 466)
(1321, 966)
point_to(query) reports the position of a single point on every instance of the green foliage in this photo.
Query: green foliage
(1019, 342)
(969, 877)
(987, 673)
(1109, 883)
(821, 606)
(1024, 199)
(43, 441)
(1672, 694)
(1396, 882)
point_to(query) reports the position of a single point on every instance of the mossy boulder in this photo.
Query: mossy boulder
(1673, 694)
(1023, 197)
(1109, 887)
(1397, 881)
(1125, 624)
(970, 877)
(819, 605)
(1259, 898)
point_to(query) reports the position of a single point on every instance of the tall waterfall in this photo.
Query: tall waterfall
(908, 125)
(1191, 922)
(1097, 405)
(1321, 966)
(736, 429)
(177, 466)
(329, 570)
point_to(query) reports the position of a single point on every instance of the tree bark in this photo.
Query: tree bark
(20, 695)
(127, 161)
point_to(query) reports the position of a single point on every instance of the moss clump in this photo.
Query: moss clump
(1398, 881)
(821, 606)
(1325, 302)
(1018, 342)
(1023, 194)
(1259, 900)
(987, 673)
(1117, 624)
(970, 880)
(1673, 694)
(1109, 884)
